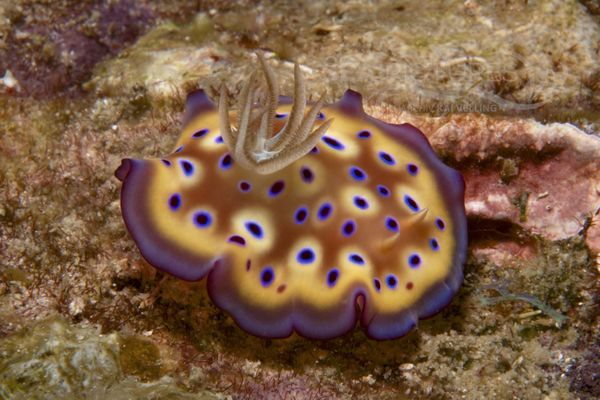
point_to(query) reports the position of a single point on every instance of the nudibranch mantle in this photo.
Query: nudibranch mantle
(370, 226)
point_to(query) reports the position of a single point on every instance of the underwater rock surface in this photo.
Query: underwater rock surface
(55, 360)
(527, 146)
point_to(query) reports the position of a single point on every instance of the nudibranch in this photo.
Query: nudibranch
(302, 221)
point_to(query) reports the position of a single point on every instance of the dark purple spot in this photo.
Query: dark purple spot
(348, 228)
(226, 161)
(356, 259)
(276, 188)
(200, 133)
(244, 186)
(281, 116)
(364, 134)
(187, 167)
(383, 191)
(202, 219)
(391, 224)
(357, 174)
(411, 203)
(332, 277)
(301, 215)
(320, 116)
(166, 162)
(412, 169)
(324, 211)
(391, 281)
(237, 239)
(361, 202)
(255, 229)
(219, 139)
(433, 243)
(441, 225)
(414, 260)
(306, 256)
(267, 276)
(315, 150)
(377, 284)
(333, 143)
(178, 150)
(175, 201)
(386, 158)
(307, 174)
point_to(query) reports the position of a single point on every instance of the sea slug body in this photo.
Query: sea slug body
(367, 226)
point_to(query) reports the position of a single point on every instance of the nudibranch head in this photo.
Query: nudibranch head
(369, 213)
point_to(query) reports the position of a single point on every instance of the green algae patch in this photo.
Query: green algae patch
(15, 275)
(140, 358)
